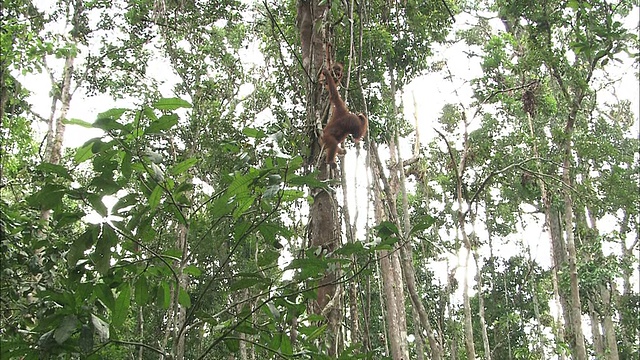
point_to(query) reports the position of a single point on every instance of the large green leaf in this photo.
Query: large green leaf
(171, 104)
(66, 328)
(121, 309)
(141, 291)
(184, 298)
(81, 244)
(165, 122)
(102, 255)
(55, 169)
(183, 166)
(78, 122)
(156, 195)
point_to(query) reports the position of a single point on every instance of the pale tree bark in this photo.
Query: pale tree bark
(418, 336)
(398, 181)
(463, 209)
(351, 238)
(576, 309)
(391, 277)
(557, 245)
(468, 325)
(483, 322)
(611, 343)
(183, 285)
(596, 335)
(62, 94)
(382, 337)
(406, 252)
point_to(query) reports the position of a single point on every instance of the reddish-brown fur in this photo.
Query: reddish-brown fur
(342, 123)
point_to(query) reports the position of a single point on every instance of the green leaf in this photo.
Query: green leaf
(121, 310)
(126, 167)
(49, 197)
(165, 122)
(192, 270)
(103, 293)
(102, 255)
(165, 295)
(425, 223)
(350, 249)
(573, 4)
(171, 104)
(96, 203)
(59, 170)
(247, 329)
(107, 120)
(285, 345)
(83, 153)
(105, 185)
(113, 114)
(243, 203)
(154, 198)
(183, 166)
(317, 333)
(100, 327)
(141, 291)
(232, 344)
(78, 122)
(183, 298)
(244, 283)
(253, 133)
(307, 180)
(66, 329)
(268, 257)
(125, 201)
(86, 339)
(81, 244)
(65, 219)
(386, 229)
(310, 267)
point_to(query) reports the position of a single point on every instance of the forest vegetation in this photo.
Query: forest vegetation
(164, 192)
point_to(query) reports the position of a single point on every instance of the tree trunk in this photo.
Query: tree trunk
(324, 224)
(468, 324)
(598, 346)
(392, 285)
(558, 253)
(611, 343)
(483, 322)
(576, 309)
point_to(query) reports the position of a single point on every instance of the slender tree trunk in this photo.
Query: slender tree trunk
(468, 325)
(392, 287)
(576, 309)
(382, 337)
(353, 284)
(418, 336)
(483, 322)
(596, 336)
(611, 342)
(557, 245)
